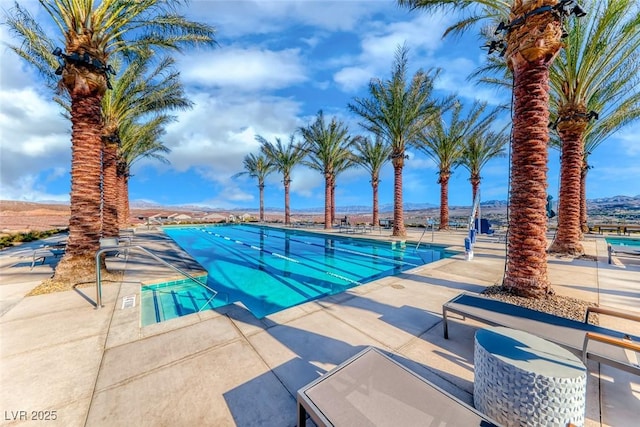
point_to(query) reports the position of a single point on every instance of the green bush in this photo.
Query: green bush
(30, 236)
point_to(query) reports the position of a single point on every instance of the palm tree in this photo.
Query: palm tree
(257, 166)
(532, 41)
(326, 144)
(482, 143)
(139, 93)
(477, 152)
(372, 156)
(93, 33)
(445, 145)
(284, 159)
(595, 74)
(398, 111)
(138, 141)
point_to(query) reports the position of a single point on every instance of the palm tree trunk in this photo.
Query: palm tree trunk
(86, 167)
(328, 205)
(398, 208)
(567, 240)
(287, 210)
(583, 198)
(123, 195)
(125, 199)
(444, 201)
(374, 187)
(110, 224)
(526, 271)
(531, 48)
(475, 186)
(261, 189)
(333, 202)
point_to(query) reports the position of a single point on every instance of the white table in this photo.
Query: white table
(371, 389)
(523, 380)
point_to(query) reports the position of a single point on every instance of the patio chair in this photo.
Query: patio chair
(42, 253)
(584, 339)
(622, 249)
(372, 389)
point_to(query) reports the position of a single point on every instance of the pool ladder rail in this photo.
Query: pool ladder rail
(116, 248)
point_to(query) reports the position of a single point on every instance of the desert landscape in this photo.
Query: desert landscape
(20, 217)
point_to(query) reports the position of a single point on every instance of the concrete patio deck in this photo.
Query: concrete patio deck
(227, 368)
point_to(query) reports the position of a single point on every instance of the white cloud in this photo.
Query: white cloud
(628, 139)
(246, 69)
(350, 79)
(238, 18)
(380, 42)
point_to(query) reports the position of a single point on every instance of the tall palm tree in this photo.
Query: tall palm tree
(609, 25)
(139, 140)
(532, 41)
(372, 155)
(257, 166)
(483, 143)
(445, 145)
(93, 33)
(141, 91)
(398, 111)
(284, 159)
(596, 72)
(477, 152)
(326, 145)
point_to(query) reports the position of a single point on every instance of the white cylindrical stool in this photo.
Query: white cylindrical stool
(524, 380)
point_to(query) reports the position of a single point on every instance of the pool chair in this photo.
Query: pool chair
(119, 245)
(373, 389)
(43, 252)
(585, 340)
(622, 250)
(345, 225)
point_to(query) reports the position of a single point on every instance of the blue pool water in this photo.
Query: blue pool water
(270, 269)
(623, 241)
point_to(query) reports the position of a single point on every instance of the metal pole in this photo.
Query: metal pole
(98, 282)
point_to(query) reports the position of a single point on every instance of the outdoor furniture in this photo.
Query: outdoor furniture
(521, 379)
(42, 253)
(631, 227)
(385, 223)
(600, 228)
(622, 249)
(484, 227)
(584, 339)
(371, 389)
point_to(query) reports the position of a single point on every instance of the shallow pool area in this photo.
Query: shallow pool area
(269, 269)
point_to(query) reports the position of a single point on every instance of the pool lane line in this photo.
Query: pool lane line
(371, 267)
(344, 250)
(250, 246)
(330, 273)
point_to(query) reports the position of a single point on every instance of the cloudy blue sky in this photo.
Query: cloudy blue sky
(278, 63)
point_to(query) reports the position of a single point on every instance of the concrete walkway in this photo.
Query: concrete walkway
(90, 367)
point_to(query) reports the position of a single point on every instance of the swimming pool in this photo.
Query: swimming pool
(623, 241)
(269, 269)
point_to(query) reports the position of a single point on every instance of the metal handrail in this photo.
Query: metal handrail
(152, 255)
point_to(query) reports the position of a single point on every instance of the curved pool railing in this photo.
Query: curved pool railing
(152, 255)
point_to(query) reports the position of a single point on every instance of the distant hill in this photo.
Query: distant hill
(614, 202)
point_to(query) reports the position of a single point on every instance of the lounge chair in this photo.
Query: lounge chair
(119, 244)
(586, 340)
(373, 389)
(345, 225)
(42, 253)
(622, 249)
